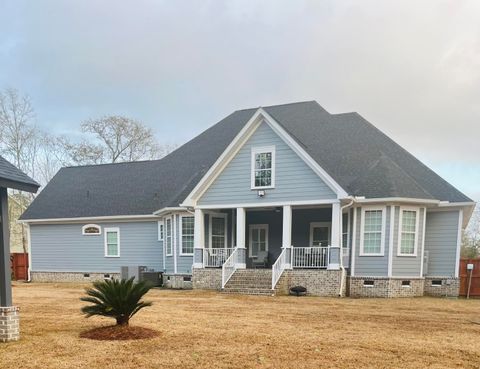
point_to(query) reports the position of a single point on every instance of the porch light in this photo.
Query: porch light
(261, 193)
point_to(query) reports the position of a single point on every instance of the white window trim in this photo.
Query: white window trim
(91, 234)
(171, 236)
(217, 215)
(400, 223)
(181, 235)
(251, 227)
(259, 150)
(320, 224)
(362, 230)
(112, 229)
(161, 234)
(348, 230)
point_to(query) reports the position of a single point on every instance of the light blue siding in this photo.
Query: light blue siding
(441, 243)
(62, 247)
(407, 266)
(371, 266)
(294, 180)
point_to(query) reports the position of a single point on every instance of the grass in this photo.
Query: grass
(210, 330)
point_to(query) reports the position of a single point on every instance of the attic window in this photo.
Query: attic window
(263, 167)
(91, 230)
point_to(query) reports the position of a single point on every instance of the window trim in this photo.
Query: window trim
(362, 230)
(260, 150)
(161, 235)
(400, 224)
(106, 231)
(171, 236)
(251, 227)
(91, 234)
(320, 224)
(181, 235)
(217, 215)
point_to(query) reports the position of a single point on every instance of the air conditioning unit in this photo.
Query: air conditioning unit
(153, 277)
(135, 271)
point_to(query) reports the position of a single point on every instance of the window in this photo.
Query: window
(368, 283)
(218, 231)
(168, 236)
(112, 242)
(372, 238)
(437, 283)
(405, 283)
(161, 226)
(258, 239)
(187, 229)
(263, 167)
(345, 230)
(320, 234)
(91, 230)
(407, 244)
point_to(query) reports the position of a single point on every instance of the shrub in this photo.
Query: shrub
(117, 298)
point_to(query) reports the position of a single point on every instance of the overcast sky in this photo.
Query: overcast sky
(412, 68)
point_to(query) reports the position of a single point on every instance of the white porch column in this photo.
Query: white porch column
(335, 249)
(242, 251)
(287, 233)
(199, 238)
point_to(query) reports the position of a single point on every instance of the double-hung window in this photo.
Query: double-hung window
(187, 229)
(408, 228)
(168, 237)
(345, 230)
(263, 167)
(372, 238)
(218, 231)
(112, 242)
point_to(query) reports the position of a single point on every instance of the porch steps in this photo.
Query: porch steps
(250, 282)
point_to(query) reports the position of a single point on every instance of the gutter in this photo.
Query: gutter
(342, 268)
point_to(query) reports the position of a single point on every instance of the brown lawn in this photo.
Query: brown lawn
(211, 330)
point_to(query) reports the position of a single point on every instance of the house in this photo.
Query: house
(266, 199)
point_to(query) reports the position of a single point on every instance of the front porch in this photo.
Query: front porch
(274, 239)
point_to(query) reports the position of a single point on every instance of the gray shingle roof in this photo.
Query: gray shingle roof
(363, 160)
(12, 177)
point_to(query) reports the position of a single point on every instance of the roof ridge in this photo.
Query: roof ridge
(277, 105)
(105, 164)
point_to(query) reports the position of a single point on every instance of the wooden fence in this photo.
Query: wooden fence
(465, 276)
(19, 265)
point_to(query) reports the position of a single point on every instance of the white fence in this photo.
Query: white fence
(279, 266)
(214, 258)
(310, 257)
(229, 267)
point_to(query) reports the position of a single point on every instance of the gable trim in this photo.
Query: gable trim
(234, 147)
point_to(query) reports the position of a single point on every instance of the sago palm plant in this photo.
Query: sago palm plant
(117, 298)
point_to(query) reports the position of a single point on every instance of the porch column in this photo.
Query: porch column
(199, 238)
(334, 251)
(241, 246)
(287, 233)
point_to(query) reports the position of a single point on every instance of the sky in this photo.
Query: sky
(412, 68)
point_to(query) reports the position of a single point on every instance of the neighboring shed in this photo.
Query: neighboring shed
(10, 177)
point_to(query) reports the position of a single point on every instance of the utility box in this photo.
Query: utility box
(469, 266)
(135, 271)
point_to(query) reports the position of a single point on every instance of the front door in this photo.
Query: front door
(258, 239)
(319, 234)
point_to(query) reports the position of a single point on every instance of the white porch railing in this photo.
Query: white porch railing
(310, 257)
(279, 266)
(229, 267)
(214, 258)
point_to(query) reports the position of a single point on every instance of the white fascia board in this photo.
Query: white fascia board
(267, 204)
(167, 210)
(396, 200)
(116, 218)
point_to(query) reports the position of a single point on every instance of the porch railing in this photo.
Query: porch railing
(215, 258)
(229, 267)
(279, 266)
(310, 257)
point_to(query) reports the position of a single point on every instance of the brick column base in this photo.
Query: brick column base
(9, 324)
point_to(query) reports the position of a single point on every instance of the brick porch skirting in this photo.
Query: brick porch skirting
(9, 324)
(177, 281)
(207, 278)
(450, 287)
(318, 282)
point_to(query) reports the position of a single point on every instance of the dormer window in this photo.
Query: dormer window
(263, 167)
(91, 230)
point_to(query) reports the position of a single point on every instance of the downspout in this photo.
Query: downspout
(342, 268)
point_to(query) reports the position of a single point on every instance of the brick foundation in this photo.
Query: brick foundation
(450, 287)
(385, 287)
(177, 281)
(207, 278)
(70, 276)
(9, 324)
(319, 282)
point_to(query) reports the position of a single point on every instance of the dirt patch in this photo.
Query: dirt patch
(119, 333)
